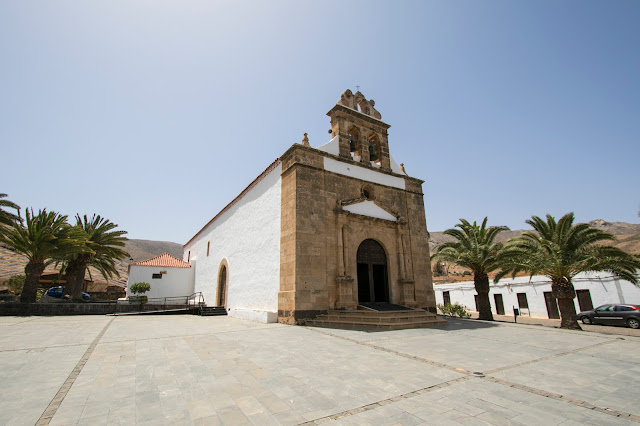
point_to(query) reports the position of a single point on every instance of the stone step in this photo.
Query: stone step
(375, 314)
(358, 325)
(207, 311)
(376, 318)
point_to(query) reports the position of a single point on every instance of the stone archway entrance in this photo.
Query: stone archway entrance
(372, 273)
(222, 286)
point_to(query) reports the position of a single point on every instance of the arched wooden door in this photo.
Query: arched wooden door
(222, 286)
(372, 273)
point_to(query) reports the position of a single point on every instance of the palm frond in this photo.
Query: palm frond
(474, 247)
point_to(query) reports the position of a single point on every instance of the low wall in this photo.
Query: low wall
(22, 309)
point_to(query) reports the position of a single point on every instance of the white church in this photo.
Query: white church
(336, 227)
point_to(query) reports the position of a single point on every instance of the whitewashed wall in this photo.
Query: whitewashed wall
(358, 172)
(176, 282)
(247, 235)
(603, 287)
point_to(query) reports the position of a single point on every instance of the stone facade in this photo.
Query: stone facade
(293, 242)
(320, 236)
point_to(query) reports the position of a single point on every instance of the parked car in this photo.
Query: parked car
(57, 292)
(612, 315)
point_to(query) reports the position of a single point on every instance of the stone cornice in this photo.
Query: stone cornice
(358, 115)
(345, 160)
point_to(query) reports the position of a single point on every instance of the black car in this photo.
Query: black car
(612, 315)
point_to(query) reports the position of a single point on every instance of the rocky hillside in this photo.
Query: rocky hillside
(146, 249)
(13, 264)
(627, 235)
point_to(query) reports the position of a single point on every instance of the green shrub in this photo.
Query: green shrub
(16, 283)
(139, 288)
(454, 310)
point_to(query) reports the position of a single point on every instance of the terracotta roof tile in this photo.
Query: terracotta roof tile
(164, 260)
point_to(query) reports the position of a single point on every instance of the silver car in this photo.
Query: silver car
(622, 314)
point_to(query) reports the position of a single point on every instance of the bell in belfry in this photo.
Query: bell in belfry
(373, 155)
(352, 144)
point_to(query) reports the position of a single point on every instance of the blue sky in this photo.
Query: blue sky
(156, 114)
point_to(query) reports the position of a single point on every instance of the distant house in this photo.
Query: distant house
(533, 297)
(167, 275)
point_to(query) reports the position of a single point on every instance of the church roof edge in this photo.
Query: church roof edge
(349, 161)
(268, 170)
(363, 116)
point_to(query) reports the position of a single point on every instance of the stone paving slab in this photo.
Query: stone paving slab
(590, 378)
(29, 379)
(479, 402)
(41, 332)
(517, 342)
(193, 370)
(555, 323)
(246, 372)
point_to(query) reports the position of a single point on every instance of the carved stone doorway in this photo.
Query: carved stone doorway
(222, 286)
(372, 273)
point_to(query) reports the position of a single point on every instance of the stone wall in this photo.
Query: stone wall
(320, 239)
(54, 309)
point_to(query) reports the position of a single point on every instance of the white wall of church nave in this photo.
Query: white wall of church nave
(175, 282)
(248, 237)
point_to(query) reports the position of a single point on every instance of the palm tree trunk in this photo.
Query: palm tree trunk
(481, 282)
(70, 277)
(564, 292)
(76, 292)
(32, 272)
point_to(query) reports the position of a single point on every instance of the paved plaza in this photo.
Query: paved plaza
(182, 369)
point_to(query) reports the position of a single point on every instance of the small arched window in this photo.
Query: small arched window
(354, 142)
(374, 149)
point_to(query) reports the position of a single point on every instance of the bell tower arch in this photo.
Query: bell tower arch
(355, 115)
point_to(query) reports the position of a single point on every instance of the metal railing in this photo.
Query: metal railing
(159, 304)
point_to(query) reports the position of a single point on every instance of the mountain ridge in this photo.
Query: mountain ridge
(627, 235)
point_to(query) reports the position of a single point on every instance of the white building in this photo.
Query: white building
(320, 229)
(245, 235)
(533, 295)
(168, 276)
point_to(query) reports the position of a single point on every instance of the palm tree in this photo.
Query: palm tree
(7, 218)
(44, 237)
(561, 250)
(475, 248)
(103, 248)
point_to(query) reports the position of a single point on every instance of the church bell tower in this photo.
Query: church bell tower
(362, 134)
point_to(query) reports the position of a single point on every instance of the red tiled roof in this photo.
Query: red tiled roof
(163, 260)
